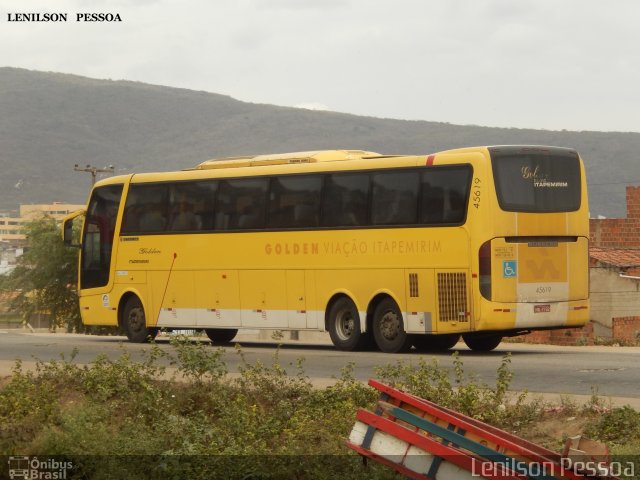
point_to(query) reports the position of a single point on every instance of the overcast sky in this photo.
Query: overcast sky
(550, 64)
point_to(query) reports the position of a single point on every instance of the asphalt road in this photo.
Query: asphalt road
(612, 371)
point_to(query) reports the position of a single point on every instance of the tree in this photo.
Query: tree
(46, 276)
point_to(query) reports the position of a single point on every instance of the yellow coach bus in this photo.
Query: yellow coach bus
(378, 250)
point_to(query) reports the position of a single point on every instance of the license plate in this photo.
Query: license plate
(541, 308)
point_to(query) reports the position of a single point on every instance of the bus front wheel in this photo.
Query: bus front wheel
(221, 335)
(134, 322)
(344, 325)
(388, 328)
(482, 343)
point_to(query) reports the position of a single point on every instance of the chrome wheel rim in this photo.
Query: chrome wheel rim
(345, 325)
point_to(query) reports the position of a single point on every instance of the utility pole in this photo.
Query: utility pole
(93, 171)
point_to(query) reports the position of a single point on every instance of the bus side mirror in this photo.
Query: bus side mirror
(67, 235)
(67, 229)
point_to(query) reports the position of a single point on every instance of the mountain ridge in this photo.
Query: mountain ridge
(51, 121)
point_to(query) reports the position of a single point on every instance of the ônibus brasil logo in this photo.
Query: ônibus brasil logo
(33, 468)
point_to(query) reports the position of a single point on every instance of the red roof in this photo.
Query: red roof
(627, 258)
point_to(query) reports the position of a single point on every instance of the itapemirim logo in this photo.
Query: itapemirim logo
(34, 468)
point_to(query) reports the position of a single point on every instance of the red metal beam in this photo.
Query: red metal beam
(448, 452)
(509, 442)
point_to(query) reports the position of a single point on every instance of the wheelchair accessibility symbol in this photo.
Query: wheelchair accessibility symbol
(509, 269)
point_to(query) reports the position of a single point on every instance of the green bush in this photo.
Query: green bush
(619, 426)
(465, 393)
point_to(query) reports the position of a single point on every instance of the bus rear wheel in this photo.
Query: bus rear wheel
(134, 322)
(435, 343)
(344, 326)
(221, 335)
(388, 328)
(482, 343)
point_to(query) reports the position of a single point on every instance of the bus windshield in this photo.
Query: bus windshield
(536, 179)
(99, 229)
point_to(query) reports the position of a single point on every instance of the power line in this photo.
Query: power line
(93, 171)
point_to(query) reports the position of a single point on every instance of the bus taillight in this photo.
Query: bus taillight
(484, 255)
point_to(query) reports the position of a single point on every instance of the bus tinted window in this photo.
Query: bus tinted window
(345, 200)
(191, 206)
(536, 180)
(444, 194)
(241, 204)
(433, 196)
(99, 229)
(294, 202)
(146, 209)
(395, 198)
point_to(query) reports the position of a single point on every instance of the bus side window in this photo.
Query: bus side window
(455, 211)
(241, 204)
(395, 198)
(432, 204)
(345, 200)
(247, 217)
(153, 219)
(191, 206)
(206, 191)
(445, 194)
(131, 219)
(294, 201)
(146, 209)
(183, 218)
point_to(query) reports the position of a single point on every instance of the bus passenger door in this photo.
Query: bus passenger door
(96, 256)
(296, 300)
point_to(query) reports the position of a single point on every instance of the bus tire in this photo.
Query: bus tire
(221, 335)
(344, 326)
(435, 343)
(134, 322)
(388, 328)
(482, 343)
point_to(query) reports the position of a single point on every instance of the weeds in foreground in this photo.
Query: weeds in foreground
(199, 421)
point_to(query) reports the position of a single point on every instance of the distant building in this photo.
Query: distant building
(614, 257)
(11, 225)
(13, 240)
(57, 210)
(618, 232)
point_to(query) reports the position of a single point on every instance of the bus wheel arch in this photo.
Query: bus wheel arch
(132, 319)
(342, 321)
(387, 325)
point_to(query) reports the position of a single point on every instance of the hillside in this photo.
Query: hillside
(51, 121)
